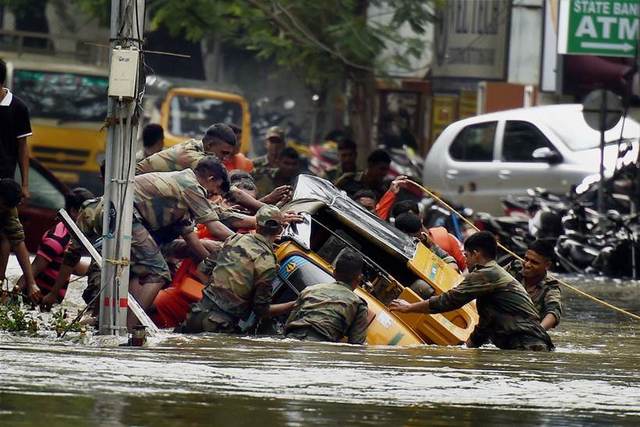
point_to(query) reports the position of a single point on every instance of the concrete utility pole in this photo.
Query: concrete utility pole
(127, 25)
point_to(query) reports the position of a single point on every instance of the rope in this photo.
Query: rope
(562, 282)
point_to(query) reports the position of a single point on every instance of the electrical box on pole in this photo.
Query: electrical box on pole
(123, 74)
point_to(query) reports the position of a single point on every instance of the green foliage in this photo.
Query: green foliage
(60, 323)
(13, 318)
(99, 9)
(321, 40)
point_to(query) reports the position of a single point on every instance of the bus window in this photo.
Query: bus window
(191, 116)
(62, 96)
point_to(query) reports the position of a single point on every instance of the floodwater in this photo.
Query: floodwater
(591, 379)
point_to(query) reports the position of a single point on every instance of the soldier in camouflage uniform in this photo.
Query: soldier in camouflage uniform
(12, 236)
(239, 290)
(168, 205)
(373, 178)
(219, 140)
(267, 180)
(274, 142)
(331, 311)
(508, 317)
(543, 290)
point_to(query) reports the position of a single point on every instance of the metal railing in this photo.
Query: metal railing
(95, 52)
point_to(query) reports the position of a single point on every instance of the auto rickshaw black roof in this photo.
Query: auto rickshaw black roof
(312, 194)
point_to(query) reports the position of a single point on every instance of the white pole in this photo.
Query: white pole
(127, 17)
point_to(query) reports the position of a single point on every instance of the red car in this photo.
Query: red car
(38, 213)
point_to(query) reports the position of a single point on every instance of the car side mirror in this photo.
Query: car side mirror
(548, 155)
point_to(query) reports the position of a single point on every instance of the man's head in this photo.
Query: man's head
(348, 268)
(405, 206)
(237, 131)
(366, 199)
(244, 181)
(378, 164)
(409, 223)
(212, 175)
(10, 193)
(219, 140)
(274, 141)
(348, 155)
(3, 72)
(153, 138)
(480, 248)
(538, 259)
(74, 200)
(289, 163)
(269, 222)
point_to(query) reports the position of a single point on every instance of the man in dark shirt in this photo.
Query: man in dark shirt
(373, 178)
(15, 127)
(507, 315)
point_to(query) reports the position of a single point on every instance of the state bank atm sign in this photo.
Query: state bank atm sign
(599, 27)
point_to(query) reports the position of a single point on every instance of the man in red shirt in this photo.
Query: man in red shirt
(46, 265)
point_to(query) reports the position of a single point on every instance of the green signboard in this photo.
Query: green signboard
(599, 27)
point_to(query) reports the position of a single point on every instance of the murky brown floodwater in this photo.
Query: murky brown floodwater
(591, 379)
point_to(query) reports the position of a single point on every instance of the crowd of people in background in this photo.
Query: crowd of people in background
(208, 185)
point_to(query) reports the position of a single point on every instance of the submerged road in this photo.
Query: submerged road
(592, 378)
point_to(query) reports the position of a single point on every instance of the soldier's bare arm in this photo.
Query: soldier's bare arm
(195, 245)
(552, 308)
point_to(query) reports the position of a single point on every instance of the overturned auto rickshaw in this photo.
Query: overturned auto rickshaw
(393, 260)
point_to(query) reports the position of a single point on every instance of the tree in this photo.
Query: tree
(328, 43)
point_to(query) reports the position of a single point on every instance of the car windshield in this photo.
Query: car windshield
(62, 96)
(191, 116)
(578, 136)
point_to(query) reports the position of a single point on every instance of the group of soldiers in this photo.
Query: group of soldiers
(209, 184)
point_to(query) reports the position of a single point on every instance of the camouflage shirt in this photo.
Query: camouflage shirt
(331, 309)
(353, 182)
(546, 295)
(172, 199)
(506, 311)
(262, 162)
(140, 156)
(267, 180)
(10, 225)
(241, 282)
(181, 156)
(90, 224)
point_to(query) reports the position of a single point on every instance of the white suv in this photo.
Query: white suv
(480, 160)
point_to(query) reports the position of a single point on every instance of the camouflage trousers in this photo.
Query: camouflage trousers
(205, 316)
(11, 227)
(306, 334)
(148, 263)
(93, 287)
(525, 342)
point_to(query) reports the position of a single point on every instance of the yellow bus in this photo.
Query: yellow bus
(68, 105)
(186, 108)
